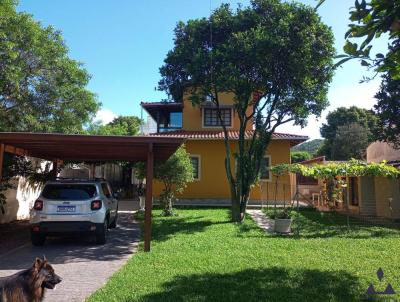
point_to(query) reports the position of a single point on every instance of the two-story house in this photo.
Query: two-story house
(200, 126)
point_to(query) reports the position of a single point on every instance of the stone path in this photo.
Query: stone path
(83, 265)
(263, 221)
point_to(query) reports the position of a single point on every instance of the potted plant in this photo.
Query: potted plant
(283, 221)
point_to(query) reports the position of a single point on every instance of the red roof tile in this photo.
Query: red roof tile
(219, 134)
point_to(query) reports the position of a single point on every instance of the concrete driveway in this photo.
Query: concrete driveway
(83, 265)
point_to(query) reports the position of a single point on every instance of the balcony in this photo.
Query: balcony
(166, 115)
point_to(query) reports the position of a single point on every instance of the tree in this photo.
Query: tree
(175, 174)
(274, 57)
(351, 141)
(122, 125)
(344, 117)
(41, 88)
(370, 21)
(388, 111)
(299, 156)
(311, 146)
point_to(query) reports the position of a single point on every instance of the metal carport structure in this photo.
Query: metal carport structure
(94, 148)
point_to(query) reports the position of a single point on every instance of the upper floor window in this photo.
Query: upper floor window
(211, 119)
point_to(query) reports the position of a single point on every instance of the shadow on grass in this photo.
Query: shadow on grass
(165, 228)
(273, 284)
(314, 224)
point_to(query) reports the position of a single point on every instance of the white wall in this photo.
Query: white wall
(19, 200)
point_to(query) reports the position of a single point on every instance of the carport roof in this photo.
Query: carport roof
(93, 148)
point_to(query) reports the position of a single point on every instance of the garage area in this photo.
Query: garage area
(83, 265)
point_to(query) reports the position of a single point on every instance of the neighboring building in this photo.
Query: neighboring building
(309, 188)
(200, 127)
(369, 196)
(383, 193)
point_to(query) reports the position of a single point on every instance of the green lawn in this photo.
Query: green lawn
(201, 256)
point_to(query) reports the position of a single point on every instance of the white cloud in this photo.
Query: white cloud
(104, 116)
(360, 95)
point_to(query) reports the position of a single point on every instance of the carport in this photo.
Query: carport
(94, 148)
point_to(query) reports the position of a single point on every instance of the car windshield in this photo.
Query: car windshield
(69, 191)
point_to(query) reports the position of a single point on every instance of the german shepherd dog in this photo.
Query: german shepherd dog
(29, 285)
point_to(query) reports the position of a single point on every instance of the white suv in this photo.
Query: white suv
(74, 206)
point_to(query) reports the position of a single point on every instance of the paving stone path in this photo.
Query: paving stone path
(83, 265)
(263, 221)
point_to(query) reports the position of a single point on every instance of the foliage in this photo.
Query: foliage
(351, 141)
(275, 213)
(274, 58)
(299, 156)
(175, 174)
(352, 168)
(15, 166)
(311, 146)
(194, 257)
(345, 117)
(41, 88)
(122, 125)
(388, 111)
(370, 20)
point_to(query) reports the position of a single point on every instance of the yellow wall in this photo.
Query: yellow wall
(192, 115)
(213, 183)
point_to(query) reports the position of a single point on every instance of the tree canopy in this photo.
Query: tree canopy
(41, 88)
(311, 146)
(299, 156)
(121, 125)
(370, 20)
(364, 124)
(274, 57)
(175, 174)
(387, 109)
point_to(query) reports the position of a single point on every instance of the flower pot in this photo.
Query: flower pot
(283, 225)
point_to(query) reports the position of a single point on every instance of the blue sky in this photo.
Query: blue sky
(122, 44)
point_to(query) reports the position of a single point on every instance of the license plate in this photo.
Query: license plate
(66, 209)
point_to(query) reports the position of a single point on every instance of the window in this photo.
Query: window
(69, 191)
(211, 119)
(265, 173)
(196, 166)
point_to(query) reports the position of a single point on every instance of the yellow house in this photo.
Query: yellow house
(200, 127)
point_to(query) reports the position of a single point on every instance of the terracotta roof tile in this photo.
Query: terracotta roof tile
(219, 134)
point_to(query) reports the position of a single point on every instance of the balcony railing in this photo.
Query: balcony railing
(168, 129)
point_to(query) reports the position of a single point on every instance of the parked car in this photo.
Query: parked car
(74, 206)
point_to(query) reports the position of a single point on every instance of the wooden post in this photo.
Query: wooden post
(2, 147)
(92, 171)
(149, 198)
(55, 168)
(158, 121)
(347, 201)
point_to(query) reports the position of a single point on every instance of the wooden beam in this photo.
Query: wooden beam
(149, 198)
(2, 147)
(15, 150)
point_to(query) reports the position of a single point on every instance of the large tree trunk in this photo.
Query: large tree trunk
(239, 205)
(236, 209)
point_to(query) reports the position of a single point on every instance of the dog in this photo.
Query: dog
(29, 285)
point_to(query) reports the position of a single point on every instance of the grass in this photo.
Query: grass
(200, 256)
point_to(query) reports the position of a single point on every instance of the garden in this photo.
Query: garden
(199, 255)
